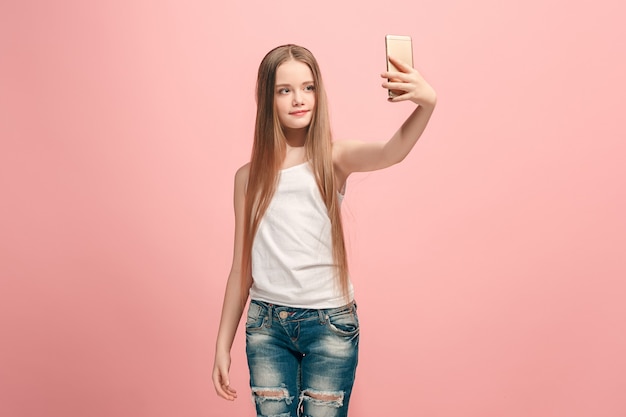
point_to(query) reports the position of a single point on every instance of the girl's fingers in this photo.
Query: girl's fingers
(226, 392)
(408, 85)
(401, 65)
(396, 86)
(220, 391)
(222, 386)
(229, 393)
(401, 76)
(402, 97)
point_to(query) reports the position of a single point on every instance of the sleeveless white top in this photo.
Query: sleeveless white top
(292, 260)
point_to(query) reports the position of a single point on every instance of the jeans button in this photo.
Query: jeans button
(283, 315)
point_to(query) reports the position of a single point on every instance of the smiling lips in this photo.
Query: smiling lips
(298, 112)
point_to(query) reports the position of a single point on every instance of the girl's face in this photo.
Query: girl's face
(294, 94)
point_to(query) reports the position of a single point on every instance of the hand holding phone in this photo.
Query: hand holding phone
(404, 82)
(400, 48)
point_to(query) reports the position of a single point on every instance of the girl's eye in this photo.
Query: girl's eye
(310, 87)
(283, 91)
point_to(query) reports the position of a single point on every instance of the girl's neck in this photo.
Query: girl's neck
(295, 137)
(294, 155)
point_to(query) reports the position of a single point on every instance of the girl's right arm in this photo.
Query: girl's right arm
(233, 306)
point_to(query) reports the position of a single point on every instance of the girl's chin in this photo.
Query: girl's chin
(298, 126)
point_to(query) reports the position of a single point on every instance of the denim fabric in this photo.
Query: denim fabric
(302, 361)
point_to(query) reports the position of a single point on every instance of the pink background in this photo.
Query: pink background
(489, 265)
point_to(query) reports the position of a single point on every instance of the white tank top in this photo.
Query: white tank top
(292, 260)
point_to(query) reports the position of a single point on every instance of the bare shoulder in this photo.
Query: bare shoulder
(341, 148)
(241, 180)
(241, 176)
(241, 183)
(243, 171)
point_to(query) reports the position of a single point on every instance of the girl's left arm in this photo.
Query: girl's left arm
(356, 156)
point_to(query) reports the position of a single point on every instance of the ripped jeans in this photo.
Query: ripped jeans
(302, 361)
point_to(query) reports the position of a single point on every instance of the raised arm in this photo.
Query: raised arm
(356, 156)
(233, 306)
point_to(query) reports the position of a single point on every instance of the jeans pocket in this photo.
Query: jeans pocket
(344, 323)
(256, 316)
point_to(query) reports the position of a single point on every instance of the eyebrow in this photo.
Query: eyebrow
(289, 85)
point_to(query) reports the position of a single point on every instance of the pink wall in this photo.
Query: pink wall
(489, 266)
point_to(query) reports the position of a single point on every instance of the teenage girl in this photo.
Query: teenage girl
(302, 329)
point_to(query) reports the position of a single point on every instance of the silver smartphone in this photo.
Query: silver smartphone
(401, 48)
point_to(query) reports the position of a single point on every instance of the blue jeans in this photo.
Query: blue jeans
(302, 361)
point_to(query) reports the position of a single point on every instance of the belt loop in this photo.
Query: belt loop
(270, 314)
(322, 315)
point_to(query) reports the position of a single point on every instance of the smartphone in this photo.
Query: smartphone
(401, 48)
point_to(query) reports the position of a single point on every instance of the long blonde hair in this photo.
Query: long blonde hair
(268, 153)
